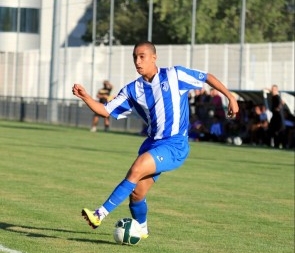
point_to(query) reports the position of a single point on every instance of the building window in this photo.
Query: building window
(29, 20)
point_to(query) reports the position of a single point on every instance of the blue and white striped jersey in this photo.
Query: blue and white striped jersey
(162, 104)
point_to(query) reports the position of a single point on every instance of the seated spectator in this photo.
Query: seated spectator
(266, 114)
(216, 131)
(201, 100)
(197, 131)
(216, 104)
(258, 127)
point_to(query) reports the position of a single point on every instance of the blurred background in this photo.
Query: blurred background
(46, 46)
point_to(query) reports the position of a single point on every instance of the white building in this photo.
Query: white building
(27, 24)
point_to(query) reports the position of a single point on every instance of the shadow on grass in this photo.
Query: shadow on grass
(31, 232)
(91, 241)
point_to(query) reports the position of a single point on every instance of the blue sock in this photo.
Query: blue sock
(121, 192)
(139, 210)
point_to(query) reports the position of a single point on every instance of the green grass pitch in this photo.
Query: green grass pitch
(224, 199)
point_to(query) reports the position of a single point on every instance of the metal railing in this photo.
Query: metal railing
(68, 113)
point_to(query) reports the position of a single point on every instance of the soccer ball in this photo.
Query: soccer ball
(127, 231)
(237, 141)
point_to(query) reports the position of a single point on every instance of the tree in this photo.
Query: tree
(269, 21)
(216, 21)
(175, 16)
(219, 21)
(130, 20)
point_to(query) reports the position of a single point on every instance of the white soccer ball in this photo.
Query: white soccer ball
(127, 231)
(238, 141)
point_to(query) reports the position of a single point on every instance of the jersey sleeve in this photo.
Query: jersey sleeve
(190, 79)
(120, 107)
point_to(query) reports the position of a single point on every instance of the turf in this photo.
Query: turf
(224, 199)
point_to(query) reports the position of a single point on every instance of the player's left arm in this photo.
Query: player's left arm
(80, 92)
(233, 107)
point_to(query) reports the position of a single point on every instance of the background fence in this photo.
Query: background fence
(27, 74)
(25, 77)
(68, 113)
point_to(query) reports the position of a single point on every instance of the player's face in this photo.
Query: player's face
(144, 60)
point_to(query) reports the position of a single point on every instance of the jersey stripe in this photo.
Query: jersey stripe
(163, 103)
(172, 77)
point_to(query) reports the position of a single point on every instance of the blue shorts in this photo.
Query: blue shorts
(169, 153)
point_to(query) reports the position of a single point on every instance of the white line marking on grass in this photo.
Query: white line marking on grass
(3, 249)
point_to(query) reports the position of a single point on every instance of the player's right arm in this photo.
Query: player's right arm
(80, 92)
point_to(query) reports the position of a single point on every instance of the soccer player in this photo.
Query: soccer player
(159, 96)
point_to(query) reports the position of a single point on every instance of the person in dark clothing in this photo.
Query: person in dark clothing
(103, 96)
(276, 124)
(201, 102)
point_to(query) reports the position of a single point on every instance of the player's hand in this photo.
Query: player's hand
(233, 109)
(79, 91)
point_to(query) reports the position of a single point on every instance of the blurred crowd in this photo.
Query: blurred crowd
(270, 124)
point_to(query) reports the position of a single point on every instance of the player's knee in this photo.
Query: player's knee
(136, 196)
(135, 174)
